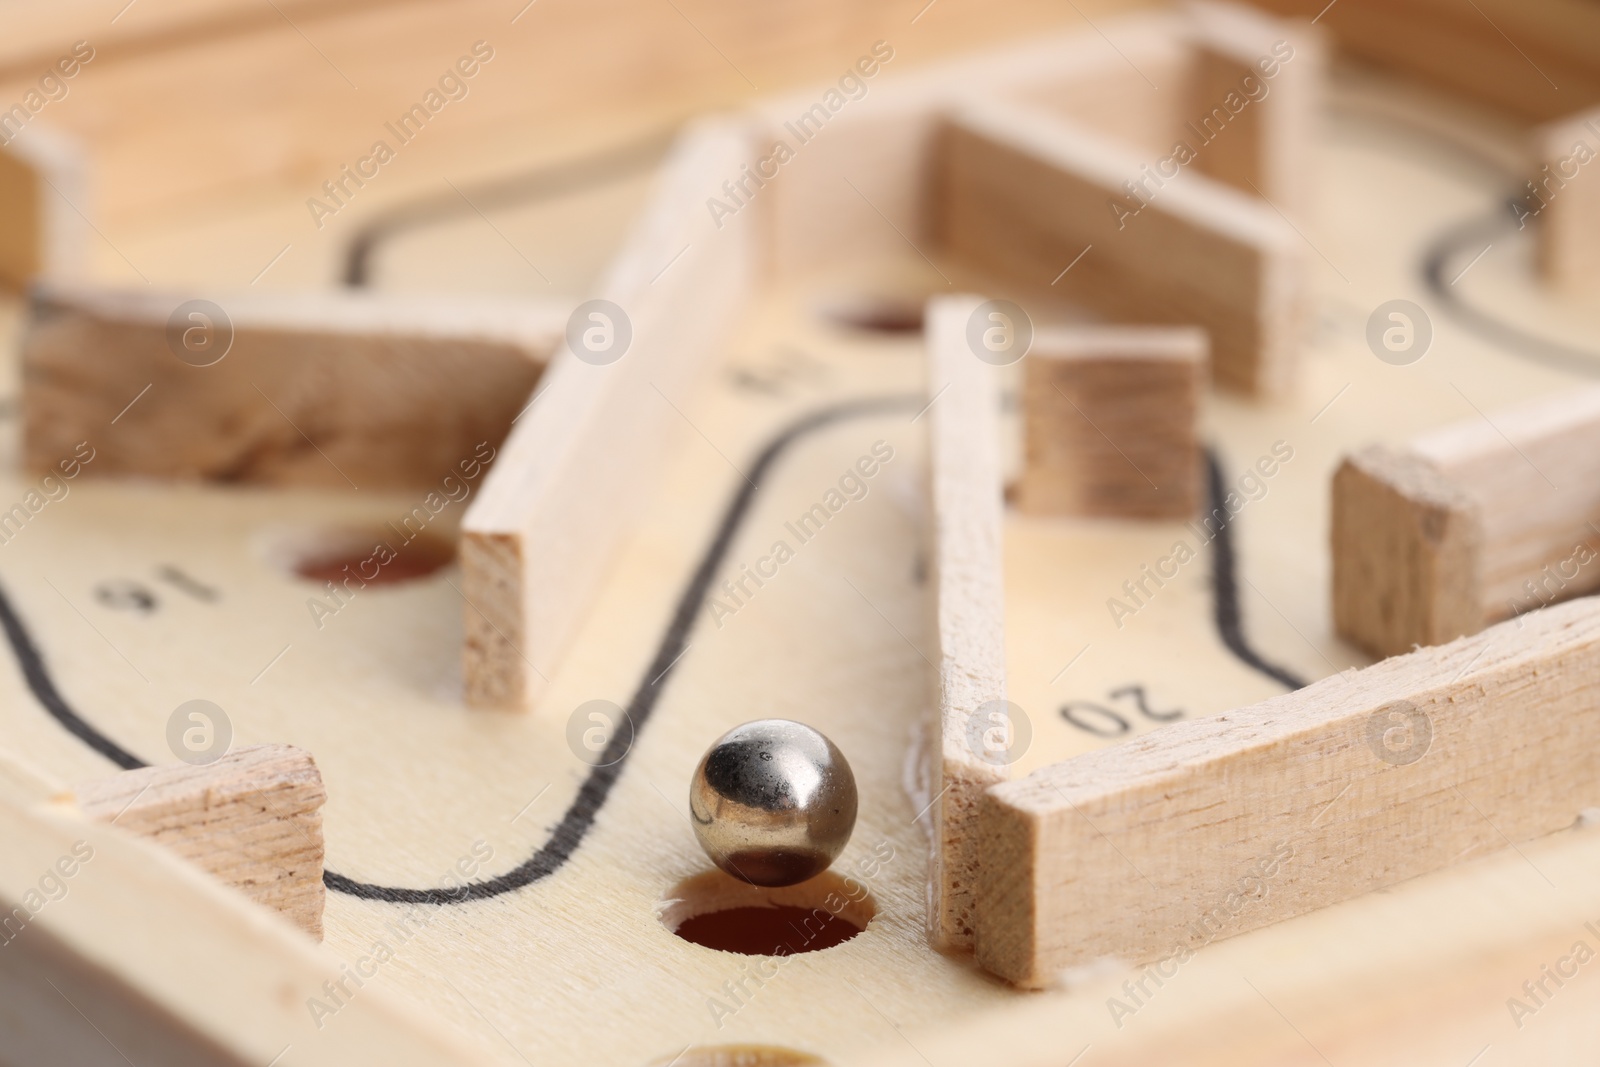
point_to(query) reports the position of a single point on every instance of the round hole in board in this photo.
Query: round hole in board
(717, 911)
(876, 313)
(739, 1056)
(370, 555)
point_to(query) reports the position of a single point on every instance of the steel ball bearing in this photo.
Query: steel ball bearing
(773, 802)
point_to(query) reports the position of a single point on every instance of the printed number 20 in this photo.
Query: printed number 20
(1101, 721)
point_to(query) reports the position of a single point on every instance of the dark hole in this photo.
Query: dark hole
(879, 315)
(757, 931)
(738, 1056)
(385, 564)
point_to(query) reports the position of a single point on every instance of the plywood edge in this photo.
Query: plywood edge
(1407, 549)
(1355, 783)
(965, 495)
(252, 818)
(170, 966)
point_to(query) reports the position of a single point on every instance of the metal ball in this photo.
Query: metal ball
(773, 802)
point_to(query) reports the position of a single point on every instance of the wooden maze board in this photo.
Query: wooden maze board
(136, 597)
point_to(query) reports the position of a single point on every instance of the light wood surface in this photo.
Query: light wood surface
(864, 187)
(1561, 199)
(1110, 422)
(967, 737)
(191, 974)
(1532, 60)
(1482, 520)
(1254, 103)
(319, 389)
(570, 78)
(252, 818)
(586, 452)
(578, 967)
(1355, 783)
(1407, 548)
(43, 233)
(1023, 194)
(1534, 472)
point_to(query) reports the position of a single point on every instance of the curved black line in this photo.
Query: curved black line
(1225, 584)
(585, 807)
(44, 689)
(586, 173)
(1467, 237)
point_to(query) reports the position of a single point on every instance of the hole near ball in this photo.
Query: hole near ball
(374, 554)
(875, 313)
(720, 912)
(739, 1056)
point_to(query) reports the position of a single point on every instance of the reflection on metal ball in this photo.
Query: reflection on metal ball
(773, 802)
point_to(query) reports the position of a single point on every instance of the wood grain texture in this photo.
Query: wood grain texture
(968, 611)
(1468, 524)
(317, 389)
(1410, 975)
(1533, 60)
(1407, 545)
(575, 85)
(43, 189)
(37, 33)
(1562, 200)
(1534, 471)
(862, 187)
(21, 236)
(1251, 131)
(1110, 422)
(252, 818)
(1355, 783)
(1023, 193)
(581, 464)
(190, 974)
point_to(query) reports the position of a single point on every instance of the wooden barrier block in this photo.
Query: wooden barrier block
(1467, 525)
(859, 189)
(1153, 848)
(321, 389)
(1253, 103)
(965, 495)
(1561, 200)
(1110, 422)
(1534, 60)
(578, 469)
(1406, 549)
(1024, 194)
(171, 966)
(43, 189)
(253, 818)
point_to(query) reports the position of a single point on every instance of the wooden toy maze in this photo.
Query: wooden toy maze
(1155, 444)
